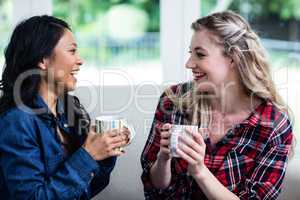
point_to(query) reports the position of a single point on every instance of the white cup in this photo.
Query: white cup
(177, 130)
(109, 122)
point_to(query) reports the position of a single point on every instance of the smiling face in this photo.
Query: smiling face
(63, 64)
(211, 68)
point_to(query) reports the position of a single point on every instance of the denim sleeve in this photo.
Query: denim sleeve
(107, 165)
(101, 179)
(24, 170)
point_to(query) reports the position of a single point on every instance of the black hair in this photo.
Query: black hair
(33, 40)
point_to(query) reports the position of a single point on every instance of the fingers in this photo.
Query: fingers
(165, 140)
(113, 138)
(118, 138)
(186, 157)
(166, 127)
(197, 136)
(165, 135)
(165, 150)
(125, 131)
(191, 153)
(115, 152)
(190, 150)
(200, 138)
(111, 133)
(114, 144)
(164, 143)
(116, 132)
(190, 143)
(118, 144)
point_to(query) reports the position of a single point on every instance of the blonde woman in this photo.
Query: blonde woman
(241, 151)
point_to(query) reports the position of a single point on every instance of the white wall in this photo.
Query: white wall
(26, 8)
(176, 17)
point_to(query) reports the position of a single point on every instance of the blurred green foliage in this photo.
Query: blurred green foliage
(99, 29)
(5, 22)
(88, 11)
(283, 9)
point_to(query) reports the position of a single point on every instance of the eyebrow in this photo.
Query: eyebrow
(199, 48)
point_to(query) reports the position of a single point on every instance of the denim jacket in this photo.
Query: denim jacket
(33, 164)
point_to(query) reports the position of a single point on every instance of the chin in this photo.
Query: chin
(70, 87)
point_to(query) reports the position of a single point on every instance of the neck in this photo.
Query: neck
(232, 100)
(49, 96)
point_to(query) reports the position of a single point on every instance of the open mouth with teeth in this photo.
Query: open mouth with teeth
(199, 75)
(74, 73)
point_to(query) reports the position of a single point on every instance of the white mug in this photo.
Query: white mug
(177, 130)
(109, 122)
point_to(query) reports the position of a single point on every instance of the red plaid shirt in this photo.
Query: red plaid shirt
(250, 160)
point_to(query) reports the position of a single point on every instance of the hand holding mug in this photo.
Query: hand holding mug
(102, 146)
(165, 136)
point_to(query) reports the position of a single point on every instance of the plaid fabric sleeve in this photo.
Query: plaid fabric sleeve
(162, 115)
(266, 180)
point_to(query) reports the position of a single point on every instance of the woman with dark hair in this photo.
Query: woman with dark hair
(47, 148)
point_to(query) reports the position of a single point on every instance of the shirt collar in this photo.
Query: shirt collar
(41, 108)
(261, 115)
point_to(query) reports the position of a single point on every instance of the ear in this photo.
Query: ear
(232, 64)
(43, 65)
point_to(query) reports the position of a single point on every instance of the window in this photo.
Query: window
(5, 26)
(119, 40)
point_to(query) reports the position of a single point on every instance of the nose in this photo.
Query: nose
(190, 64)
(79, 60)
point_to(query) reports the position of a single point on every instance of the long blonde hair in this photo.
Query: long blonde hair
(243, 46)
